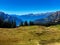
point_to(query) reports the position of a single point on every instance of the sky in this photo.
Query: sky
(20, 7)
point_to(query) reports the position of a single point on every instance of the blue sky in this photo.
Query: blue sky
(29, 6)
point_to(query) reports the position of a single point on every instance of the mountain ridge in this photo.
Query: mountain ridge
(42, 18)
(51, 19)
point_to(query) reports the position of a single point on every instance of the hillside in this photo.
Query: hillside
(53, 18)
(9, 18)
(30, 35)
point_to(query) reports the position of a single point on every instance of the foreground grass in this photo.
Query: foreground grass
(30, 35)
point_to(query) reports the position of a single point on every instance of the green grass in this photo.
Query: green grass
(30, 35)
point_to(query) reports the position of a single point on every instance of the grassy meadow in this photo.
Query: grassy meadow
(30, 35)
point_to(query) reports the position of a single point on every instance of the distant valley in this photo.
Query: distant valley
(43, 18)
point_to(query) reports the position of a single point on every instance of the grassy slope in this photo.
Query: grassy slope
(30, 35)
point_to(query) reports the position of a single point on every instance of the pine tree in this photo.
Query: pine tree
(31, 23)
(21, 24)
(1, 22)
(25, 23)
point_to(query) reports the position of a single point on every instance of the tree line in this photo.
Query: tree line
(27, 24)
(7, 24)
(12, 24)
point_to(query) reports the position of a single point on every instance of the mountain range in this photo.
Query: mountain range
(53, 18)
(42, 18)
